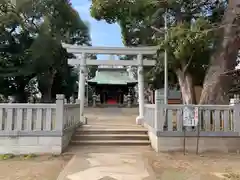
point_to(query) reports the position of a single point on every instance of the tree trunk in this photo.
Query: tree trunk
(21, 96)
(45, 83)
(186, 86)
(46, 95)
(216, 85)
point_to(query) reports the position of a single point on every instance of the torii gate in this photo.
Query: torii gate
(139, 62)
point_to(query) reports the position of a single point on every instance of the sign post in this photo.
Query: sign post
(190, 119)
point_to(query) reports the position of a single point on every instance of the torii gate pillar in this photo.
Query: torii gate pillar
(81, 86)
(140, 118)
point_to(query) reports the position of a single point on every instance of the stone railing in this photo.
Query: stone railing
(149, 113)
(71, 115)
(37, 128)
(217, 126)
(19, 119)
(170, 117)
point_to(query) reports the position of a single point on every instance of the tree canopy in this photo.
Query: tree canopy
(31, 33)
(194, 36)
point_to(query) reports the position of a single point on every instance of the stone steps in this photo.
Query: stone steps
(112, 142)
(110, 131)
(110, 136)
(103, 137)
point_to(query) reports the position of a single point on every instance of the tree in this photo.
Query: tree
(61, 22)
(216, 85)
(30, 39)
(65, 83)
(140, 19)
(189, 48)
(14, 58)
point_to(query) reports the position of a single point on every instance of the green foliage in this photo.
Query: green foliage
(22, 157)
(30, 45)
(188, 43)
(140, 19)
(131, 16)
(28, 156)
(6, 156)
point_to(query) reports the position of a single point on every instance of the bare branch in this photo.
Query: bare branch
(158, 30)
(188, 64)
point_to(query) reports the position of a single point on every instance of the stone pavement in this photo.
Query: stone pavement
(112, 117)
(105, 163)
(109, 162)
(142, 163)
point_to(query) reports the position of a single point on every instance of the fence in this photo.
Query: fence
(211, 118)
(218, 125)
(37, 128)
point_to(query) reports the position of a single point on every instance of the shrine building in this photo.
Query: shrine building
(113, 86)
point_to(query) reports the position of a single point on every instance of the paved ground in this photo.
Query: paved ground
(119, 161)
(112, 117)
(96, 163)
(142, 163)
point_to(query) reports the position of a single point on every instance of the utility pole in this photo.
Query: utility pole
(165, 62)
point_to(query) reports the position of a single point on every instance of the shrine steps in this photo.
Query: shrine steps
(121, 137)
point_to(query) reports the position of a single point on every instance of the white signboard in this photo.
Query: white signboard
(190, 116)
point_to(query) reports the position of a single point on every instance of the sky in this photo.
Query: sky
(102, 33)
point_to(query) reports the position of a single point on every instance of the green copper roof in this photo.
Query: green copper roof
(112, 77)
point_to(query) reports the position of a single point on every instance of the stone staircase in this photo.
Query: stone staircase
(110, 135)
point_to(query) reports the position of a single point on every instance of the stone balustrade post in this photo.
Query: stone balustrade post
(11, 99)
(60, 112)
(72, 100)
(77, 101)
(94, 99)
(129, 100)
(159, 115)
(236, 113)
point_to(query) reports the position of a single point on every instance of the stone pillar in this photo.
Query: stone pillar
(82, 86)
(94, 99)
(139, 119)
(86, 79)
(130, 72)
(11, 99)
(79, 82)
(60, 112)
(72, 101)
(129, 98)
(159, 111)
(235, 100)
(236, 113)
(79, 78)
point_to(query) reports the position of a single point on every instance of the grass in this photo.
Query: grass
(6, 156)
(23, 156)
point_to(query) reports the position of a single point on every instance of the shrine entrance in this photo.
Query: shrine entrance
(111, 95)
(82, 53)
(113, 86)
